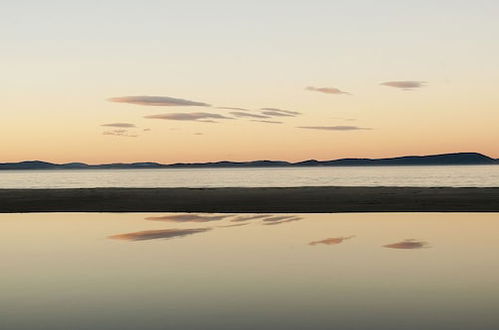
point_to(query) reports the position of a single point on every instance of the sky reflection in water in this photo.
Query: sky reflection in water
(80, 271)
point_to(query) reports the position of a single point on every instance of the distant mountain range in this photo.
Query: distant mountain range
(461, 158)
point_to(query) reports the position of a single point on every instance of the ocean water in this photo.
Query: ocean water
(155, 271)
(417, 176)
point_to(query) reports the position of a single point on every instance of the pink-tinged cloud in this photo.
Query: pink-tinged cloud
(408, 244)
(158, 234)
(327, 90)
(204, 117)
(405, 85)
(159, 101)
(335, 128)
(189, 218)
(331, 241)
(122, 125)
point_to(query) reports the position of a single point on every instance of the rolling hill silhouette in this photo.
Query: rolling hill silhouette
(461, 158)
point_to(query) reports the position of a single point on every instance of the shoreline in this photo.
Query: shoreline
(252, 200)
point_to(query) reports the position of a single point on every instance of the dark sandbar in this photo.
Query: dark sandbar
(299, 199)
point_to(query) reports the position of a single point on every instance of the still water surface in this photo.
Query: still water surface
(253, 271)
(417, 176)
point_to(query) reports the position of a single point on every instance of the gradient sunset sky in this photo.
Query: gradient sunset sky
(192, 81)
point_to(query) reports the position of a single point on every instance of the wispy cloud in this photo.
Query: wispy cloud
(408, 244)
(335, 128)
(277, 114)
(274, 112)
(122, 125)
(193, 116)
(247, 115)
(405, 85)
(233, 108)
(282, 111)
(160, 101)
(189, 218)
(119, 132)
(327, 90)
(268, 121)
(331, 241)
(344, 119)
(235, 225)
(158, 234)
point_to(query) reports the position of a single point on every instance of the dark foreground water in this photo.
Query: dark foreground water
(407, 176)
(248, 271)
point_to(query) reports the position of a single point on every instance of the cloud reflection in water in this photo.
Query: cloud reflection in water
(408, 244)
(158, 234)
(250, 217)
(276, 220)
(267, 219)
(331, 241)
(189, 218)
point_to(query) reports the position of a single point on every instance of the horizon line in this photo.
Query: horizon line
(249, 161)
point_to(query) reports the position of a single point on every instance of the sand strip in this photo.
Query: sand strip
(300, 199)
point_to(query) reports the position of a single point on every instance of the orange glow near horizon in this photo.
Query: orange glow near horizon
(187, 88)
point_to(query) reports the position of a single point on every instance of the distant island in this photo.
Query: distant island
(460, 158)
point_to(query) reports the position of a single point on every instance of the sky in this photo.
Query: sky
(125, 81)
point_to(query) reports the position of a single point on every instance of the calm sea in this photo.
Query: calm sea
(429, 176)
(157, 271)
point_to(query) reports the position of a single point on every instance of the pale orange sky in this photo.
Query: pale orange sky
(60, 72)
